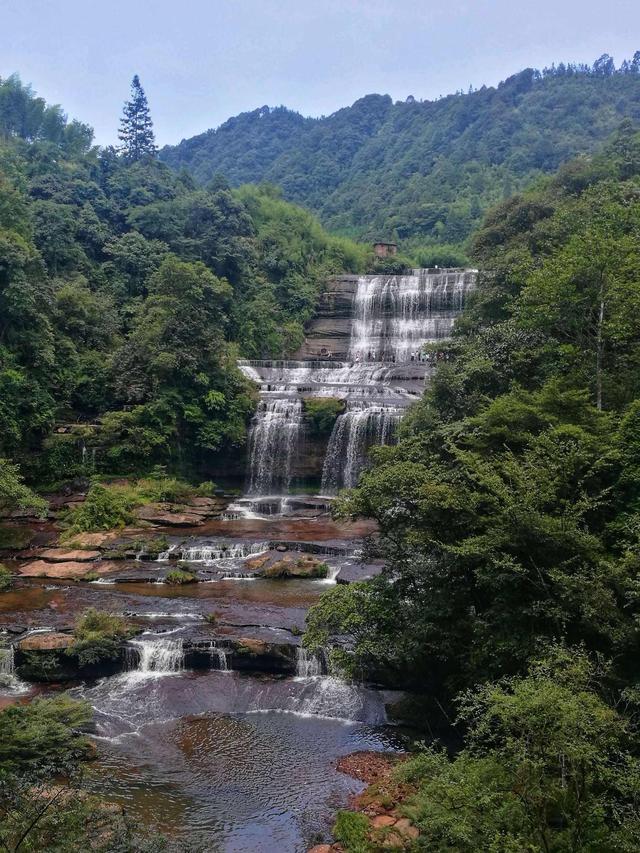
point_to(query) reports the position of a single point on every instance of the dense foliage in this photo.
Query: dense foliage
(43, 802)
(509, 517)
(423, 171)
(126, 294)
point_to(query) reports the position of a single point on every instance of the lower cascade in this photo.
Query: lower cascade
(160, 656)
(308, 664)
(220, 655)
(354, 432)
(274, 441)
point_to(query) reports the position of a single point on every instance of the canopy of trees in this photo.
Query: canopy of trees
(509, 517)
(126, 294)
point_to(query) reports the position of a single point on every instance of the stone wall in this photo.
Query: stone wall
(329, 332)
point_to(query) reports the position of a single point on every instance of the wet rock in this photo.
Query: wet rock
(107, 537)
(171, 516)
(256, 562)
(59, 555)
(211, 505)
(255, 655)
(45, 642)
(369, 767)
(281, 548)
(71, 569)
(15, 629)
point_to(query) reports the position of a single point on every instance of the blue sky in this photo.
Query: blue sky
(202, 61)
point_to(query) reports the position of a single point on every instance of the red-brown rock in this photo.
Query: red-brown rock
(45, 642)
(383, 820)
(59, 555)
(71, 569)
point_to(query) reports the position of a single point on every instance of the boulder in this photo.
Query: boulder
(59, 555)
(208, 505)
(293, 567)
(70, 569)
(383, 820)
(406, 828)
(46, 642)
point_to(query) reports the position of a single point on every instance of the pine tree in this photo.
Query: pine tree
(136, 126)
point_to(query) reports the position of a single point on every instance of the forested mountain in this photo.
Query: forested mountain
(510, 520)
(423, 171)
(126, 293)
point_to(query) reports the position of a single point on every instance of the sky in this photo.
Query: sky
(201, 61)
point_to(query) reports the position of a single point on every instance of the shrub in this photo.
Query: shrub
(98, 636)
(104, 508)
(350, 829)
(6, 578)
(178, 576)
(322, 413)
(91, 575)
(45, 732)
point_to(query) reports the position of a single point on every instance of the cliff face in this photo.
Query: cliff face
(330, 331)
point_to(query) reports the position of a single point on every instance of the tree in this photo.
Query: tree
(545, 768)
(136, 126)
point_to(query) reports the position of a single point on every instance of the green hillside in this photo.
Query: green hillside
(126, 294)
(422, 171)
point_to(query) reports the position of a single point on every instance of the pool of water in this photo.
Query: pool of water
(231, 762)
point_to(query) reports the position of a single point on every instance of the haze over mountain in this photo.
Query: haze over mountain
(421, 171)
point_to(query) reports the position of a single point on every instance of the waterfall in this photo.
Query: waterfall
(354, 432)
(216, 652)
(274, 440)
(8, 677)
(7, 666)
(209, 553)
(380, 368)
(394, 316)
(308, 664)
(156, 657)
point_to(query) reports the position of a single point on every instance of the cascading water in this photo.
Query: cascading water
(220, 655)
(396, 315)
(8, 678)
(378, 373)
(156, 657)
(308, 664)
(210, 553)
(355, 431)
(274, 441)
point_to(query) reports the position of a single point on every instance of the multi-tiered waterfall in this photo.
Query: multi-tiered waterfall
(366, 348)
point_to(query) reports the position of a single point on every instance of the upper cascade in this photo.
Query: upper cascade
(395, 315)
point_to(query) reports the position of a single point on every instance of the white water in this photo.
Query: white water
(274, 440)
(210, 553)
(308, 664)
(157, 657)
(221, 655)
(396, 315)
(355, 431)
(8, 677)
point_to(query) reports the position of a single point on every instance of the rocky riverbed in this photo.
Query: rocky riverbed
(213, 675)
